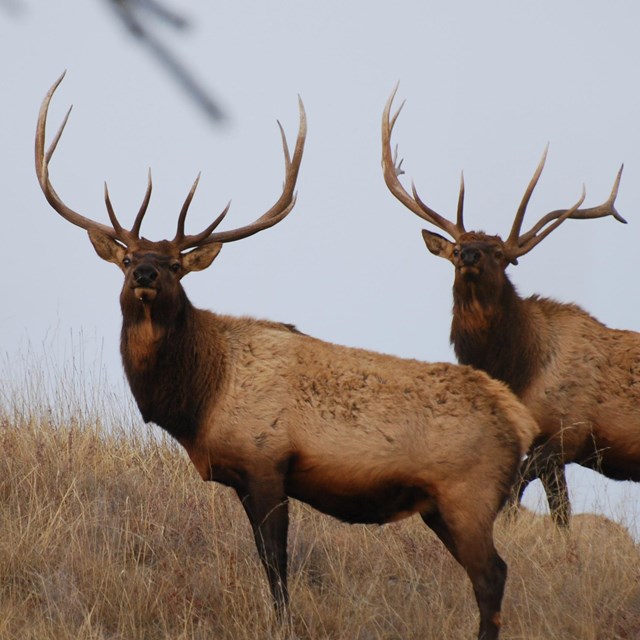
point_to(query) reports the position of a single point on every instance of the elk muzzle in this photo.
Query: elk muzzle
(469, 256)
(144, 277)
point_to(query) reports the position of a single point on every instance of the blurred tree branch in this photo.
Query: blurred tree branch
(135, 15)
(12, 6)
(132, 13)
(127, 11)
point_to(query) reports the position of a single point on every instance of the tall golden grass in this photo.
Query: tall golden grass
(106, 531)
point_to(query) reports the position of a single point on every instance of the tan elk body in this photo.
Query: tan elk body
(274, 413)
(579, 378)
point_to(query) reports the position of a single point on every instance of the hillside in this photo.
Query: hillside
(109, 533)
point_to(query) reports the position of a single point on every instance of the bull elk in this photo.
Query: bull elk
(276, 414)
(579, 378)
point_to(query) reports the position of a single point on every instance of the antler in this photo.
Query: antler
(518, 244)
(391, 170)
(42, 171)
(117, 232)
(278, 212)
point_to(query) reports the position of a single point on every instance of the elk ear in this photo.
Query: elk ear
(438, 245)
(201, 257)
(106, 247)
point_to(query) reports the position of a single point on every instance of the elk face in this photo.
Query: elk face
(152, 270)
(475, 256)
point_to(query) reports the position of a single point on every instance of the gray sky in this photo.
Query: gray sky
(487, 84)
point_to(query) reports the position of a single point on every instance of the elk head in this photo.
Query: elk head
(153, 270)
(480, 259)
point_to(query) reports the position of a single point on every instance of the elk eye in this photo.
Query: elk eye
(456, 252)
(498, 254)
(126, 262)
(175, 267)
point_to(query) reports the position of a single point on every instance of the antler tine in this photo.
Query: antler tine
(197, 239)
(528, 242)
(263, 222)
(277, 212)
(183, 212)
(135, 230)
(123, 234)
(391, 170)
(285, 149)
(531, 238)
(459, 214)
(514, 235)
(607, 208)
(112, 214)
(185, 242)
(56, 138)
(42, 159)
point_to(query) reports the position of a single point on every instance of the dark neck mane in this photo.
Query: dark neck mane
(173, 368)
(491, 330)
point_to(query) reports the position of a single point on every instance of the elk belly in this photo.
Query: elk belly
(353, 499)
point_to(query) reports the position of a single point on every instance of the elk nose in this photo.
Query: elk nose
(145, 274)
(469, 256)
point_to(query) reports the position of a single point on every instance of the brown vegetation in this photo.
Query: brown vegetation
(110, 533)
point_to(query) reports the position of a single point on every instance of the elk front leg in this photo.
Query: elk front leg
(267, 508)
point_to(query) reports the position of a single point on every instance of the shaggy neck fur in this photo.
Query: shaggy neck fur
(172, 370)
(491, 330)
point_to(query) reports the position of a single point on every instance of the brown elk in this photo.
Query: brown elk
(274, 413)
(580, 379)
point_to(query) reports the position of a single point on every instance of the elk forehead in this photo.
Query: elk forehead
(480, 241)
(163, 249)
(480, 237)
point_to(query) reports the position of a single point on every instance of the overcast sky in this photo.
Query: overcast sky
(487, 85)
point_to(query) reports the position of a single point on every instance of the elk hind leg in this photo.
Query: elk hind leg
(545, 464)
(468, 535)
(555, 486)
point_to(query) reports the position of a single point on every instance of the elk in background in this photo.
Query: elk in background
(580, 379)
(275, 414)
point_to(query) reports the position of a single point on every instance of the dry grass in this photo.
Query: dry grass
(105, 534)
